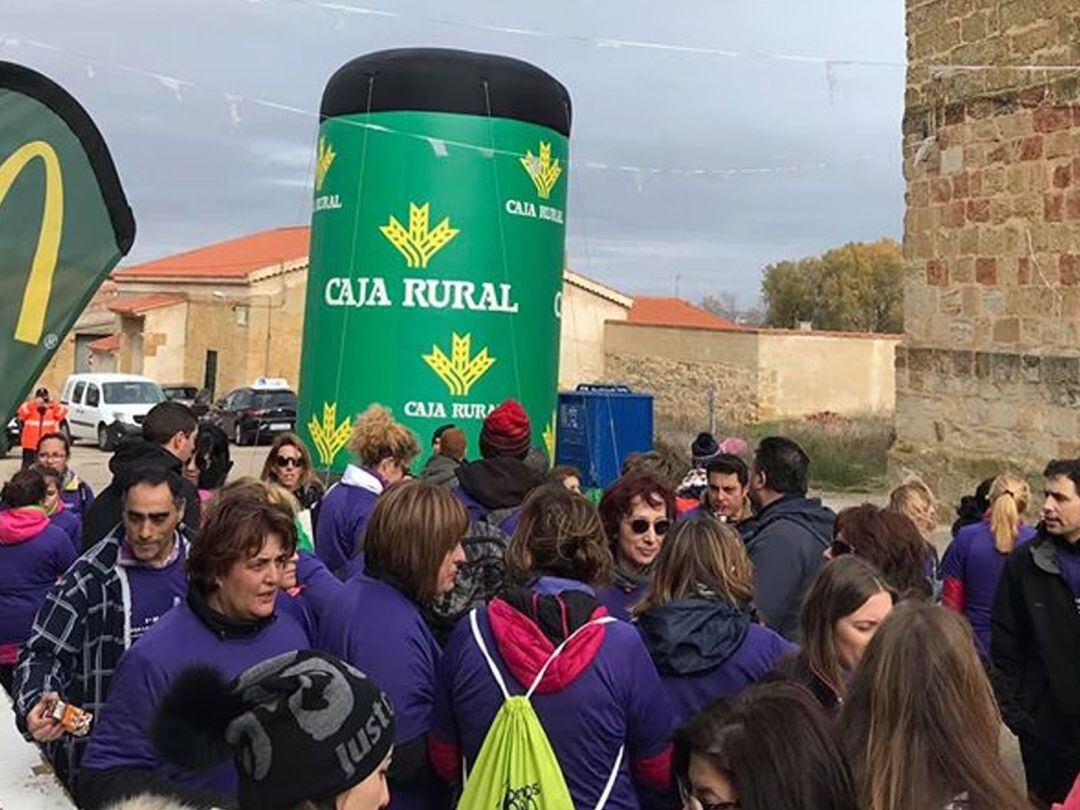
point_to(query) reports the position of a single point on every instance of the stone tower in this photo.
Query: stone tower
(989, 372)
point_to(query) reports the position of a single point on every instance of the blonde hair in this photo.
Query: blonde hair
(377, 436)
(268, 491)
(1009, 497)
(915, 501)
(701, 554)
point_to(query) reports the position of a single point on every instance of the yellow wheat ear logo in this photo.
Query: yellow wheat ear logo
(418, 244)
(543, 171)
(461, 370)
(323, 159)
(328, 435)
(549, 439)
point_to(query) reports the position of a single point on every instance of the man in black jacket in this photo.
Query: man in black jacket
(1035, 641)
(167, 441)
(788, 534)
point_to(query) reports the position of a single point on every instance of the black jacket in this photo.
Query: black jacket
(1035, 650)
(786, 541)
(105, 512)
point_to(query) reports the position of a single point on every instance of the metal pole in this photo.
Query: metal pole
(712, 410)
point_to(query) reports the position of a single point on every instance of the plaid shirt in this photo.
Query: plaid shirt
(78, 635)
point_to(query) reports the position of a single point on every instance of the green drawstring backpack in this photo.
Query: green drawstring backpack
(516, 768)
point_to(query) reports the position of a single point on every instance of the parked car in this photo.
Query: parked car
(180, 392)
(11, 436)
(106, 407)
(257, 412)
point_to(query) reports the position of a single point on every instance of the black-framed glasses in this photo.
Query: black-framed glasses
(641, 525)
(288, 461)
(692, 802)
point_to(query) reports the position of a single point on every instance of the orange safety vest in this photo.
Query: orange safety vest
(36, 424)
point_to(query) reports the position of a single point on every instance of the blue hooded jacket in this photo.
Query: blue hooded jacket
(786, 541)
(706, 648)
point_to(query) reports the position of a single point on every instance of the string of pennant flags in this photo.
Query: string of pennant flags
(829, 62)
(235, 102)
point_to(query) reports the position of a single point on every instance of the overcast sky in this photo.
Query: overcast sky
(198, 168)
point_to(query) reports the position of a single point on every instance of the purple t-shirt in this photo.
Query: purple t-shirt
(1069, 560)
(154, 592)
(973, 560)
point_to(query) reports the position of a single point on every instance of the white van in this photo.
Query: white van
(105, 407)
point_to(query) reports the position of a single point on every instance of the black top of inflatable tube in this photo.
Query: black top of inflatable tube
(444, 80)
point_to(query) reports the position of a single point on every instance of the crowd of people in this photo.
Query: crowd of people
(490, 633)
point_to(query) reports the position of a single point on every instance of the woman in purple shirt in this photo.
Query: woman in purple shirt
(637, 511)
(697, 620)
(227, 622)
(412, 548)
(600, 702)
(974, 562)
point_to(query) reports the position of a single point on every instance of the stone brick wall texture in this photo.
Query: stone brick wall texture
(681, 388)
(989, 373)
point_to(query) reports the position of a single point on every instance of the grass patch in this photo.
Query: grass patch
(846, 454)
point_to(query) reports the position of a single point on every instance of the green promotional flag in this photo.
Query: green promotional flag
(437, 246)
(64, 222)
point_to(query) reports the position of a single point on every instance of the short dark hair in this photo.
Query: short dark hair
(212, 456)
(48, 473)
(60, 437)
(1064, 468)
(728, 464)
(564, 471)
(26, 488)
(151, 476)
(440, 430)
(784, 464)
(237, 525)
(775, 742)
(166, 419)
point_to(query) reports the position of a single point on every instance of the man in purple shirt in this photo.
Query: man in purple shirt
(1035, 640)
(99, 608)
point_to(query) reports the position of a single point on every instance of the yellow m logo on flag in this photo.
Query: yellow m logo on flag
(35, 301)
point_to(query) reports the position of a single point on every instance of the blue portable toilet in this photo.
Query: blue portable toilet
(598, 427)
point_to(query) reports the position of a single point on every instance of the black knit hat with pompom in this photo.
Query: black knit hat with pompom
(303, 725)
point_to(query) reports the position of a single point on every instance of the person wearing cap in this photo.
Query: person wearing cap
(304, 731)
(39, 417)
(492, 491)
(694, 484)
(442, 468)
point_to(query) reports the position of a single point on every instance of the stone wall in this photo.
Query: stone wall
(757, 374)
(989, 375)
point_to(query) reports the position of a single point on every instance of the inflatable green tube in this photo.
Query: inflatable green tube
(437, 246)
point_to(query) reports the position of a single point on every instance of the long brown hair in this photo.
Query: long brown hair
(891, 543)
(840, 588)
(915, 501)
(560, 534)
(700, 554)
(1009, 497)
(920, 722)
(287, 440)
(412, 528)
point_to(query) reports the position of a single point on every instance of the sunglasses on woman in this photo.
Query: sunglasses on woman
(641, 525)
(287, 461)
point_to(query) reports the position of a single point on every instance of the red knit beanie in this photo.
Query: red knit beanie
(506, 431)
